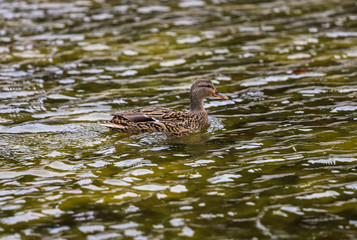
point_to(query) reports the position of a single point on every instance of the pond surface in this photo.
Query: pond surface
(277, 161)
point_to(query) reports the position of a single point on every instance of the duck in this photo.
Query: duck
(168, 121)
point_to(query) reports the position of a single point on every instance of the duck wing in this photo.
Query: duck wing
(152, 114)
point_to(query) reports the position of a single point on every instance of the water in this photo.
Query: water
(277, 161)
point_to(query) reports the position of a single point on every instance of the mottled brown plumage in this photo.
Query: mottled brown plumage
(166, 120)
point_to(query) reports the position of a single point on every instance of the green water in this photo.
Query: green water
(277, 161)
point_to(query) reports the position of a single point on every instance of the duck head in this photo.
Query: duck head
(201, 89)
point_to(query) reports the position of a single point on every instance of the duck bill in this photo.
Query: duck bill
(220, 95)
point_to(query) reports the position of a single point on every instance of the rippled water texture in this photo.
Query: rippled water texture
(277, 161)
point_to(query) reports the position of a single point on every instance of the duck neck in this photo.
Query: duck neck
(197, 104)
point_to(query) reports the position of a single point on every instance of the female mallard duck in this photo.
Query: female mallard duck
(166, 120)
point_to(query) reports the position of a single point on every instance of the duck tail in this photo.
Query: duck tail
(112, 125)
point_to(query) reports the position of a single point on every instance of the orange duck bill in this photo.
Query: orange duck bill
(220, 95)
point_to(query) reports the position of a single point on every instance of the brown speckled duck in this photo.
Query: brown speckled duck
(166, 120)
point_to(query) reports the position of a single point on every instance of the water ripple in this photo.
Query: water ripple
(276, 161)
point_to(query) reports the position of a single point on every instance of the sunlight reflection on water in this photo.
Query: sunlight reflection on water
(277, 159)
